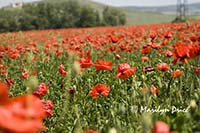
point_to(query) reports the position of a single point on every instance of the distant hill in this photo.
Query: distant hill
(134, 15)
(194, 9)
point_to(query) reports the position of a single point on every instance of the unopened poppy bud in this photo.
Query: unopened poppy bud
(122, 109)
(76, 68)
(148, 69)
(144, 77)
(193, 103)
(62, 84)
(112, 130)
(32, 82)
(146, 122)
(29, 58)
(50, 84)
(72, 90)
(117, 56)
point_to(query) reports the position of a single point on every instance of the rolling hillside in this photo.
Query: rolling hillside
(194, 9)
(133, 16)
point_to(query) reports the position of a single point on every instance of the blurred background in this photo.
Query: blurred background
(17, 15)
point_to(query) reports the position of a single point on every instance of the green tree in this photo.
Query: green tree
(98, 19)
(71, 14)
(112, 16)
(88, 17)
(122, 19)
(9, 20)
(66, 14)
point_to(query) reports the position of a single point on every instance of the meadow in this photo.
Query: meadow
(124, 79)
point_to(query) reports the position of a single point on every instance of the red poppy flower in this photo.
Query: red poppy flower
(61, 67)
(122, 47)
(145, 50)
(41, 90)
(99, 89)
(103, 65)
(61, 70)
(155, 46)
(3, 92)
(110, 48)
(9, 81)
(3, 72)
(162, 67)
(3, 66)
(46, 59)
(24, 74)
(85, 62)
(194, 38)
(194, 50)
(154, 90)
(145, 59)
(177, 73)
(14, 54)
(196, 69)
(114, 39)
(169, 53)
(153, 35)
(129, 49)
(88, 53)
(183, 51)
(160, 127)
(91, 131)
(48, 107)
(167, 34)
(23, 114)
(124, 71)
(58, 52)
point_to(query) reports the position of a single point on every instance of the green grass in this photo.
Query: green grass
(139, 17)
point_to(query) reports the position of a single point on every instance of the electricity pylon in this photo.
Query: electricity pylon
(182, 10)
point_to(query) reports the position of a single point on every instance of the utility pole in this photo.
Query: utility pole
(182, 10)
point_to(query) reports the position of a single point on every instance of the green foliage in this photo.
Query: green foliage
(112, 16)
(47, 15)
(88, 17)
(178, 19)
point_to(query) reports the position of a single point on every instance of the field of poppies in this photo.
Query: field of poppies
(126, 79)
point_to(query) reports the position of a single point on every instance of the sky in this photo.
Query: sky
(8, 2)
(141, 2)
(116, 2)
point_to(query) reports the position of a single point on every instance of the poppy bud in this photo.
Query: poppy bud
(72, 90)
(117, 56)
(148, 69)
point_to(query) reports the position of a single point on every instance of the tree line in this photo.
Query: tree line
(46, 15)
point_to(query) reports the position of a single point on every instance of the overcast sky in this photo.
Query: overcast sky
(8, 2)
(116, 2)
(141, 2)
